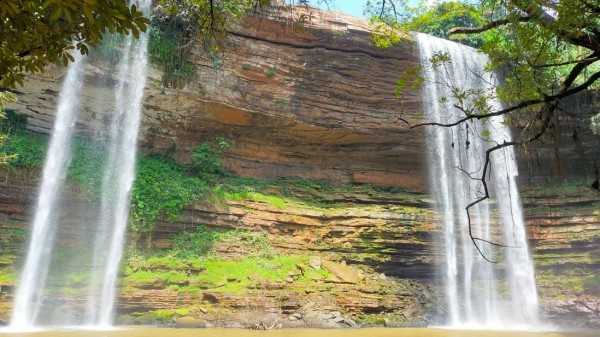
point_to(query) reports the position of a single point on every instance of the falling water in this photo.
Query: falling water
(29, 295)
(118, 175)
(479, 293)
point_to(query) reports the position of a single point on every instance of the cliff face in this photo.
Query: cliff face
(314, 103)
(317, 102)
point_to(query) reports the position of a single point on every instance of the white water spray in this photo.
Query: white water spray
(29, 295)
(119, 173)
(479, 294)
(118, 177)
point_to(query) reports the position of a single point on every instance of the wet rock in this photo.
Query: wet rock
(315, 262)
(189, 322)
(308, 306)
(342, 272)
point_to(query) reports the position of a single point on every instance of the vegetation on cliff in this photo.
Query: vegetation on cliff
(547, 51)
(163, 186)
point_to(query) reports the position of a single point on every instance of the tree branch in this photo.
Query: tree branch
(594, 8)
(491, 25)
(550, 65)
(547, 99)
(485, 196)
(578, 37)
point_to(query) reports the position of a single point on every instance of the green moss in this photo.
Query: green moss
(149, 279)
(271, 72)
(591, 284)
(232, 276)
(560, 285)
(235, 276)
(7, 277)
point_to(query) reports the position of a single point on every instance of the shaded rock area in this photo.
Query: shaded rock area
(562, 213)
(564, 228)
(393, 237)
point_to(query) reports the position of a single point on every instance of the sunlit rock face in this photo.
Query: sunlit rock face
(314, 101)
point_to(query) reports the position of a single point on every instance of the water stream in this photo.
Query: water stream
(119, 173)
(120, 141)
(30, 293)
(479, 293)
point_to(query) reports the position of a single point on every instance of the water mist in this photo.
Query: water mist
(479, 293)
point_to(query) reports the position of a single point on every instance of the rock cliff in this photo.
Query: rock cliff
(316, 102)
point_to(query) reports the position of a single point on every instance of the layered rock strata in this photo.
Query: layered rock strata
(317, 101)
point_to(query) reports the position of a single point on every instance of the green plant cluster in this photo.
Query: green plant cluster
(439, 19)
(168, 50)
(162, 187)
(23, 149)
(194, 244)
(201, 243)
(206, 160)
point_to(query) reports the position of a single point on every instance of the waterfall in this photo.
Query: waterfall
(30, 292)
(119, 173)
(112, 216)
(479, 293)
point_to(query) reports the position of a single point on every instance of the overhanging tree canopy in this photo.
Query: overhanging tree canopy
(36, 32)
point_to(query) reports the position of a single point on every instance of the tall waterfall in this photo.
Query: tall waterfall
(32, 296)
(479, 293)
(119, 173)
(30, 293)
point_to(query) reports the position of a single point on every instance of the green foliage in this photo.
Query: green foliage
(438, 20)
(253, 244)
(36, 32)
(408, 78)
(393, 19)
(201, 243)
(206, 160)
(25, 149)
(194, 244)
(9, 119)
(271, 72)
(5, 97)
(206, 22)
(162, 187)
(543, 54)
(168, 50)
